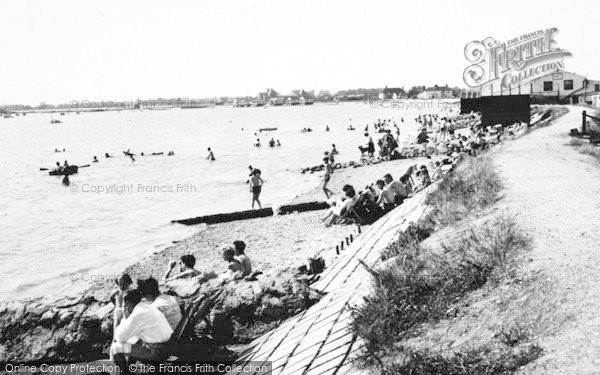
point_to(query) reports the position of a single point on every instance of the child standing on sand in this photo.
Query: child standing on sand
(256, 186)
(327, 177)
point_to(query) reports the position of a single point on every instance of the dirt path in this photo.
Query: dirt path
(556, 192)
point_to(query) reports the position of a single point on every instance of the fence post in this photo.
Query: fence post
(583, 114)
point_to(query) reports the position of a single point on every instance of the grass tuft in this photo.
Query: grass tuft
(482, 361)
(584, 147)
(472, 186)
(489, 245)
(418, 287)
(408, 239)
(591, 150)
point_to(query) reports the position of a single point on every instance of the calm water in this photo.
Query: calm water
(121, 210)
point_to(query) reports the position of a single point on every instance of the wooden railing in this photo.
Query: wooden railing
(584, 117)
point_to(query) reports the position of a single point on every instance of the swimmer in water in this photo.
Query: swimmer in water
(210, 156)
(107, 155)
(95, 159)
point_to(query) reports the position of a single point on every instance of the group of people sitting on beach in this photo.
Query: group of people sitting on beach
(451, 139)
(380, 197)
(239, 266)
(145, 318)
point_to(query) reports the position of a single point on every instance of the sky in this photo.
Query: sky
(59, 51)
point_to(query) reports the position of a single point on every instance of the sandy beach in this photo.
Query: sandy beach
(274, 243)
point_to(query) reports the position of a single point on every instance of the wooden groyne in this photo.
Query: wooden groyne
(224, 218)
(253, 214)
(303, 207)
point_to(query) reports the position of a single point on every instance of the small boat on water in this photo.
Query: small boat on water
(71, 169)
(267, 129)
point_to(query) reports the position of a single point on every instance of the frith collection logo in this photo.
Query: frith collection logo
(513, 63)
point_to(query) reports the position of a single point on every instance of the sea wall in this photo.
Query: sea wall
(81, 330)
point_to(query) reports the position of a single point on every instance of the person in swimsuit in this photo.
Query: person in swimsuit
(327, 177)
(210, 156)
(250, 175)
(255, 187)
(234, 268)
(370, 146)
(187, 263)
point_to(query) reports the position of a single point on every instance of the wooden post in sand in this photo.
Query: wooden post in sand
(351, 238)
(337, 249)
(342, 245)
(359, 229)
(347, 242)
(583, 114)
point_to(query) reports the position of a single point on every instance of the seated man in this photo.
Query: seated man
(437, 173)
(186, 269)
(406, 183)
(240, 248)
(398, 189)
(140, 330)
(425, 179)
(234, 268)
(341, 207)
(386, 197)
(124, 282)
(165, 303)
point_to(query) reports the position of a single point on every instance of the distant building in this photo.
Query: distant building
(565, 86)
(556, 87)
(392, 93)
(436, 92)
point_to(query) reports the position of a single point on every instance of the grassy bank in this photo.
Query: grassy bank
(585, 147)
(421, 282)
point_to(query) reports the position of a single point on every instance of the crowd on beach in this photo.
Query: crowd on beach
(449, 140)
(378, 198)
(144, 319)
